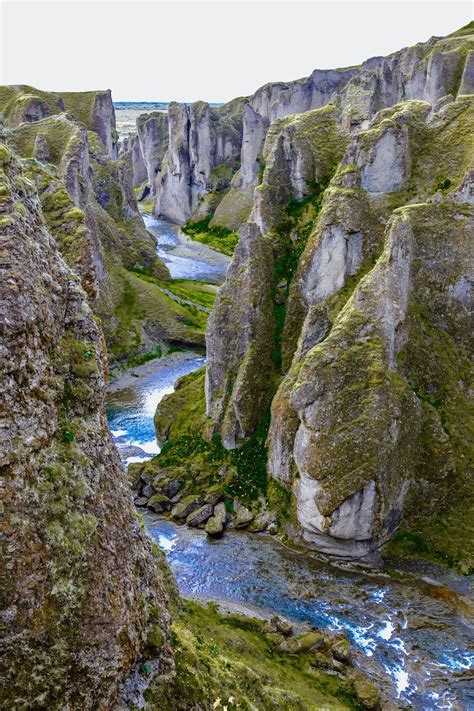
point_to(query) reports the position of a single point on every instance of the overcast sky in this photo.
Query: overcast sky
(185, 51)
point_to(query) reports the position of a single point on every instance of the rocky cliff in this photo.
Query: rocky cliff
(346, 305)
(24, 104)
(185, 187)
(78, 631)
(104, 238)
(203, 148)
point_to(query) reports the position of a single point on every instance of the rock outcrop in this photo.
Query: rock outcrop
(426, 72)
(204, 144)
(77, 629)
(337, 288)
(152, 138)
(95, 109)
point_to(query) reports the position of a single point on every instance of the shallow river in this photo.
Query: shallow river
(185, 258)
(405, 625)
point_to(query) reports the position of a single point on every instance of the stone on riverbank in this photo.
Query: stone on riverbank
(260, 522)
(196, 518)
(341, 651)
(302, 643)
(367, 694)
(189, 504)
(215, 524)
(243, 517)
(159, 503)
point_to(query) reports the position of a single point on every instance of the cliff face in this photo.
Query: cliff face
(204, 143)
(339, 286)
(152, 138)
(77, 628)
(425, 72)
(91, 207)
(24, 104)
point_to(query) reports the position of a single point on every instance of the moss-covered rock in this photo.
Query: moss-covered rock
(77, 626)
(227, 660)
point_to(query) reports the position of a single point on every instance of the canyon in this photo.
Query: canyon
(312, 243)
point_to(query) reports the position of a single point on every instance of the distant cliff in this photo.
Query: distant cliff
(71, 142)
(181, 164)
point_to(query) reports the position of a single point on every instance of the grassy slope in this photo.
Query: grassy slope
(229, 659)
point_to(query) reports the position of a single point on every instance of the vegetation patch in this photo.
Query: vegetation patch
(219, 238)
(227, 661)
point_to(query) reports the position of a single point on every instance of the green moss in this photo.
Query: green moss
(61, 136)
(184, 410)
(137, 307)
(290, 237)
(220, 238)
(228, 658)
(5, 155)
(197, 292)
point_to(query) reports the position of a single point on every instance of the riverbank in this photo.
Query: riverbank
(127, 378)
(132, 399)
(413, 636)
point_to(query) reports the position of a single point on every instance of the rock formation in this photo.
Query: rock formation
(184, 186)
(335, 293)
(204, 143)
(76, 627)
(20, 104)
(105, 241)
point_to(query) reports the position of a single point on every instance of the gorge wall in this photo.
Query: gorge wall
(88, 197)
(77, 629)
(201, 144)
(342, 331)
(356, 296)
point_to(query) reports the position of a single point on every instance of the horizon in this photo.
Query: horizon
(227, 63)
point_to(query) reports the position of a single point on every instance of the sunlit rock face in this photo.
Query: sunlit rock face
(183, 165)
(358, 240)
(77, 626)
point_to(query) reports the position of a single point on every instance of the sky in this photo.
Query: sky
(185, 51)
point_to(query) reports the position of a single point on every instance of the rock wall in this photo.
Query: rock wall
(95, 109)
(76, 627)
(427, 72)
(203, 144)
(152, 133)
(349, 288)
(91, 208)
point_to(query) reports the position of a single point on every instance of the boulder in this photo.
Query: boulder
(281, 625)
(159, 503)
(140, 500)
(148, 490)
(341, 651)
(167, 486)
(303, 643)
(213, 497)
(243, 517)
(321, 661)
(216, 523)
(199, 516)
(260, 522)
(186, 506)
(367, 694)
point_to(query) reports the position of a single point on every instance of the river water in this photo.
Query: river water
(413, 632)
(185, 258)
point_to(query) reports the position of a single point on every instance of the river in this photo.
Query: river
(411, 627)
